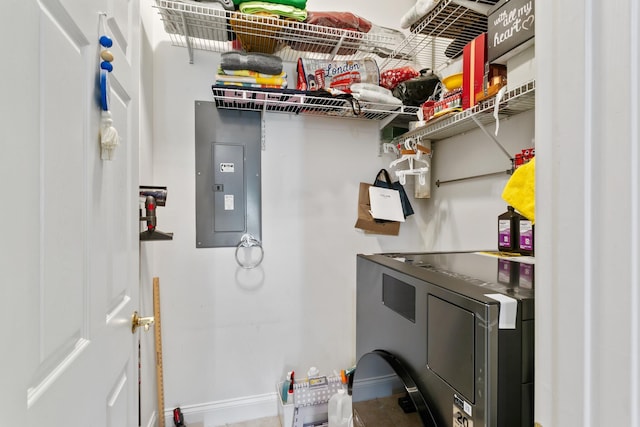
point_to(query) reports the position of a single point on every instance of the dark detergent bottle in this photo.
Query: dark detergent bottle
(526, 231)
(508, 230)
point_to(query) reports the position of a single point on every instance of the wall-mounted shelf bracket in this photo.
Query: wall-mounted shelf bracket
(187, 37)
(337, 47)
(391, 117)
(263, 128)
(493, 138)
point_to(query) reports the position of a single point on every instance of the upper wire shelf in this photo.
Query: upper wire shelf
(439, 37)
(514, 102)
(207, 27)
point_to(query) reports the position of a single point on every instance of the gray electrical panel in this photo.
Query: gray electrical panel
(228, 200)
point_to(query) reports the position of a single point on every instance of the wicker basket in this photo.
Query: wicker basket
(257, 33)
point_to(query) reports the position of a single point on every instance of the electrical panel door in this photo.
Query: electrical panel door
(227, 175)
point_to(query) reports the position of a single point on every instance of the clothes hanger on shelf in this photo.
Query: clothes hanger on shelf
(412, 152)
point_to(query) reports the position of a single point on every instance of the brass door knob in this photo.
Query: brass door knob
(137, 321)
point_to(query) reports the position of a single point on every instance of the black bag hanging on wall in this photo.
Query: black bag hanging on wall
(386, 182)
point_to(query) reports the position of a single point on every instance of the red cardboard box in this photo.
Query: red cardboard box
(474, 57)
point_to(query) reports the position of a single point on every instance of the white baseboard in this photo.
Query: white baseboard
(223, 412)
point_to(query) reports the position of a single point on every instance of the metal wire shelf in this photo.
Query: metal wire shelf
(196, 26)
(438, 38)
(514, 102)
(299, 102)
(432, 43)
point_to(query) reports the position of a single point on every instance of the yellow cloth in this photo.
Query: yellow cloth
(520, 191)
(272, 81)
(250, 73)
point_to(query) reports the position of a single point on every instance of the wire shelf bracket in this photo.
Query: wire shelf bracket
(491, 137)
(187, 38)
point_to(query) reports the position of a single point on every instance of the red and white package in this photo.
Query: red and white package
(392, 78)
(320, 74)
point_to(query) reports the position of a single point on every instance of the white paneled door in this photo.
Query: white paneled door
(69, 246)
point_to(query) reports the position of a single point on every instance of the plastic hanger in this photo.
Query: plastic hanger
(413, 152)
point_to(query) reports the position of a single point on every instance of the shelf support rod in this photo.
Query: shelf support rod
(186, 38)
(335, 50)
(493, 138)
(507, 172)
(263, 127)
(384, 122)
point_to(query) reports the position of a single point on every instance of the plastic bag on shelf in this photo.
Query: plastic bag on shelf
(320, 74)
(391, 78)
(344, 20)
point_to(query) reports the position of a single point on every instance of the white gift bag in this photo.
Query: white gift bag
(386, 204)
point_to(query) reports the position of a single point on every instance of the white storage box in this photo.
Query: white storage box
(285, 410)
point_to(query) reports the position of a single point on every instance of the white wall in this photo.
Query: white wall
(588, 216)
(230, 334)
